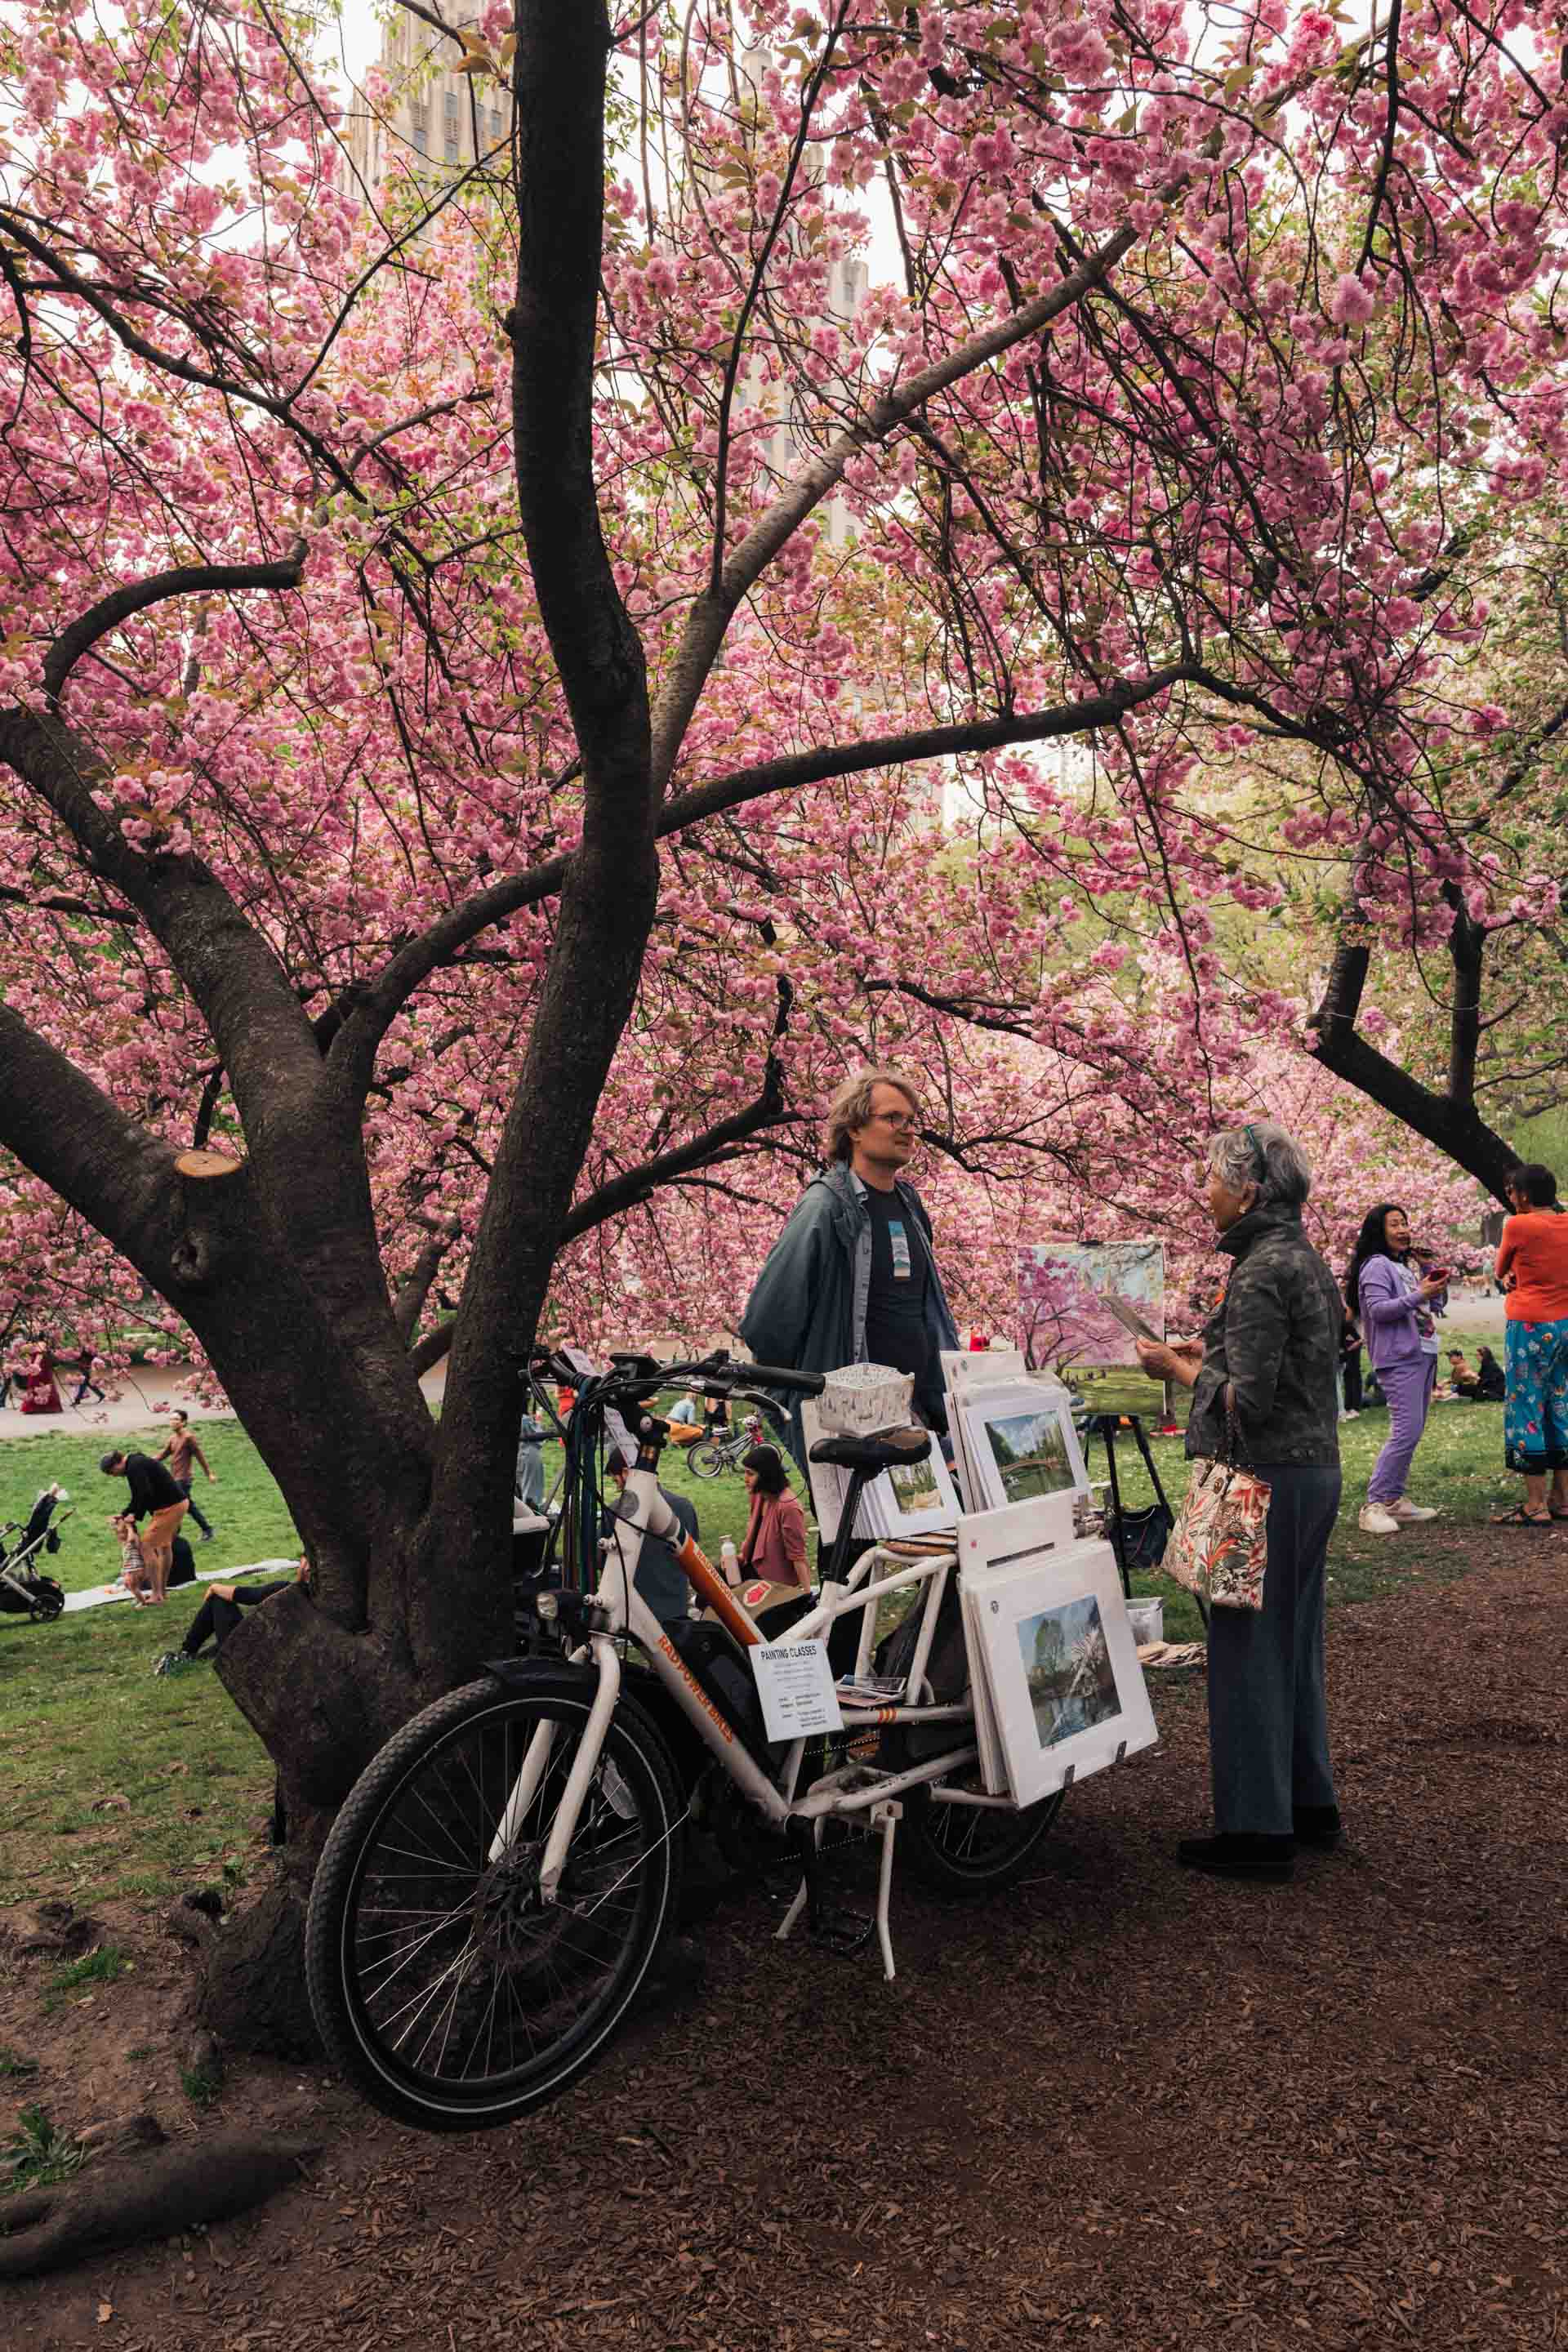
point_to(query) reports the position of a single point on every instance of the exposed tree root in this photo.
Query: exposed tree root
(154, 2195)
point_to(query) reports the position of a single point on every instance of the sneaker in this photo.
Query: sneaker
(173, 1662)
(1407, 1513)
(1377, 1520)
(207, 1534)
(1350, 1414)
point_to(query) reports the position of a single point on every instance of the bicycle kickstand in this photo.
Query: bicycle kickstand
(885, 1817)
(844, 1932)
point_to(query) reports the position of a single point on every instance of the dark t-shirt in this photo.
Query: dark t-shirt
(897, 1332)
(152, 1488)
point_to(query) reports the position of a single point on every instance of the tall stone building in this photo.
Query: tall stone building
(432, 115)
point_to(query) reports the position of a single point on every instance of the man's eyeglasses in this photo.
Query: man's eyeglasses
(904, 1121)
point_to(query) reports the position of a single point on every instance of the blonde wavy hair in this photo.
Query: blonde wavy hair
(851, 1108)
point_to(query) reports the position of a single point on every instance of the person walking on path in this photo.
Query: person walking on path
(853, 1277)
(1395, 1307)
(180, 1452)
(156, 1498)
(1532, 1266)
(1267, 1359)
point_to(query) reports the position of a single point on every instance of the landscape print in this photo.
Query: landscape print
(1030, 1451)
(915, 1489)
(1062, 1289)
(1068, 1668)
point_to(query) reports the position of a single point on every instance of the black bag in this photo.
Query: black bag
(1139, 1537)
(183, 1564)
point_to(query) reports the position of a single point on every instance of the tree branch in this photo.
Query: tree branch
(353, 1035)
(559, 86)
(63, 1128)
(183, 579)
(711, 612)
(409, 1303)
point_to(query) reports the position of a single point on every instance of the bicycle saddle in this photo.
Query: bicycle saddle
(886, 1450)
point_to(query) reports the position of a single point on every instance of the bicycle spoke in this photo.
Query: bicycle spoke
(463, 1974)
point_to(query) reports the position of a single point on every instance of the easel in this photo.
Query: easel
(1106, 1425)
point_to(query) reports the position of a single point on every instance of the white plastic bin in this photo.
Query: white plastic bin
(1147, 1618)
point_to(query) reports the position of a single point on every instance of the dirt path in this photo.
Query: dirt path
(1122, 2103)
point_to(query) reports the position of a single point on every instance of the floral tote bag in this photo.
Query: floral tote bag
(1219, 1546)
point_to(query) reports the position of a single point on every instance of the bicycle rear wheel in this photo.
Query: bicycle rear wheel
(707, 1459)
(964, 1850)
(443, 1987)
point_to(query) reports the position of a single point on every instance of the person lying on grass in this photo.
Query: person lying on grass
(218, 1615)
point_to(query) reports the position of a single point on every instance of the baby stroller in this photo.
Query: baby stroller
(23, 1591)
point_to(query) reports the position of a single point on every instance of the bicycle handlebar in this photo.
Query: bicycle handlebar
(641, 1375)
(779, 1376)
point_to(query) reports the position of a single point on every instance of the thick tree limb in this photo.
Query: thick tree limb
(558, 82)
(640, 1183)
(1458, 1130)
(261, 1032)
(80, 1143)
(1449, 1120)
(183, 579)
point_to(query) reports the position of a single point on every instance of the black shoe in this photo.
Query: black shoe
(1317, 1825)
(1239, 1853)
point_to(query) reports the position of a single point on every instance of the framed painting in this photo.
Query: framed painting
(1048, 1629)
(1019, 1441)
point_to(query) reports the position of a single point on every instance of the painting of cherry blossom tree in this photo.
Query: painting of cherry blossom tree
(1064, 1288)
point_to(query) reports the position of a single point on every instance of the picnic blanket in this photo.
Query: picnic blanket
(97, 1596)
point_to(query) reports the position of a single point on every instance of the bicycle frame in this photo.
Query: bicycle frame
(853, 1789)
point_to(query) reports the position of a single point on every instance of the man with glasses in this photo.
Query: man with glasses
(852, 1280)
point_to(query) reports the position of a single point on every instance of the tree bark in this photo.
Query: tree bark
(1449, 1120)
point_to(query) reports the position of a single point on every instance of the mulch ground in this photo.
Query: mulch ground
(1120, 2103)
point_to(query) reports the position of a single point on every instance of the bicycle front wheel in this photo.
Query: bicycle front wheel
(707, 1459)
(442, 1984)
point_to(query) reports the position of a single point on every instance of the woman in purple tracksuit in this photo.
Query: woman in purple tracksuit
(1395, 1304)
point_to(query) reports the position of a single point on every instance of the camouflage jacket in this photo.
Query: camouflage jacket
(1276, 1336)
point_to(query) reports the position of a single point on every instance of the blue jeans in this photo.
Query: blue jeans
(1268, 1722)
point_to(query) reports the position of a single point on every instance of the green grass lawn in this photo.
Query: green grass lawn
(118, 1783)
(114, 1782)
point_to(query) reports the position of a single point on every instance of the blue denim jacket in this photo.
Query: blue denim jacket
(808, 1308)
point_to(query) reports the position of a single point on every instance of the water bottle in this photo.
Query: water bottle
(730, 1561)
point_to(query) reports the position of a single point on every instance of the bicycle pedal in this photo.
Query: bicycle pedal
(844, 1933)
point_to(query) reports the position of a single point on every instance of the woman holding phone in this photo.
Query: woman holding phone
(1396, 1306)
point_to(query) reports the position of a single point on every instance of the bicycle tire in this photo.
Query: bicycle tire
(961, 1851)
(707, 1459)
(411, 2013)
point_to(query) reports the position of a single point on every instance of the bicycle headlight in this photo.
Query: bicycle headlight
(547, 1607)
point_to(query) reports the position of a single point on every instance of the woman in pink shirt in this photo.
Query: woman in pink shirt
(773, 1549)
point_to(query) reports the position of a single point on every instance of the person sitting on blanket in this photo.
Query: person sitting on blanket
(218, 1615)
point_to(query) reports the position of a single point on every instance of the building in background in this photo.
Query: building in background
(432, 113)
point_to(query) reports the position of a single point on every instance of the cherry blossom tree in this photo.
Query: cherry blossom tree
(471, 647)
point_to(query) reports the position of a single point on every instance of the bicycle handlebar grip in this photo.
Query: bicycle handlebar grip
(778, 1376)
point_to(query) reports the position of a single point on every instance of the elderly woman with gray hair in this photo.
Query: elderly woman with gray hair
(1266, 1357)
